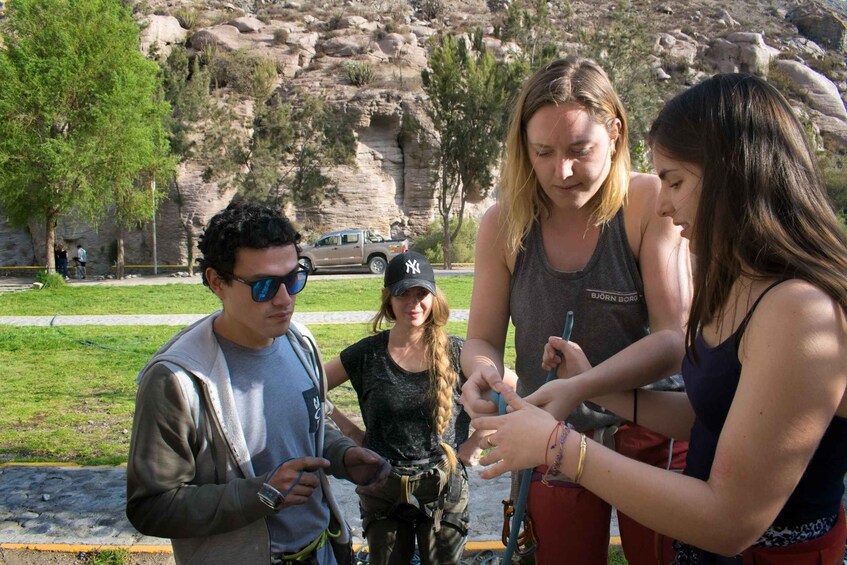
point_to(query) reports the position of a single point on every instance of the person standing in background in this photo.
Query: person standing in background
(82, 257)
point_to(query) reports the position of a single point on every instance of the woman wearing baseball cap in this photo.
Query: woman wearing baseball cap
(408, 380)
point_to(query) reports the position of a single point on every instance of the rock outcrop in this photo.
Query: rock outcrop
(820, 24)
(162, 32)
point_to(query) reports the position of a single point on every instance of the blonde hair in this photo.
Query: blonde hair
(442, 376)
(572, 80)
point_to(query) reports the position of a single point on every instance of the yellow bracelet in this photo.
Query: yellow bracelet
(580, 467)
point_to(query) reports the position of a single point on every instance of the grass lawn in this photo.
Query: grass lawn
(320, 295)
(67, 393)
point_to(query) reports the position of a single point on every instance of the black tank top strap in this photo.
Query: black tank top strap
(743, 325)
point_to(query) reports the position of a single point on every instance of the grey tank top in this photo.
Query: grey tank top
(606, 297)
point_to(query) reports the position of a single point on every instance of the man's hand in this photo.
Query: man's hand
(366, 468)
(296, 479)
(470, 451)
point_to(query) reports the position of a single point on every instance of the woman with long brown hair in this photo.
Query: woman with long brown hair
(766, 365)
(408, 381)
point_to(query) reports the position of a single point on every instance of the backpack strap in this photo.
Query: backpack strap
(307, 343)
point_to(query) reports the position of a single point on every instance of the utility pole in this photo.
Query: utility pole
(155, 249)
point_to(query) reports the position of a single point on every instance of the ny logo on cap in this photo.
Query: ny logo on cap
(413, 267)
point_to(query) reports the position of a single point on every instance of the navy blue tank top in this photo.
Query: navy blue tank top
(711, 386)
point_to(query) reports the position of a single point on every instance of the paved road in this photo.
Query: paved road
(85, 505)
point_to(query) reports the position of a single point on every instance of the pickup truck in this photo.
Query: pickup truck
(348, 248)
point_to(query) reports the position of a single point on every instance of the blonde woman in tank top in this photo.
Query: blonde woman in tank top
(575, 229)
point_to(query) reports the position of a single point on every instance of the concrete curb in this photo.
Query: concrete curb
(306, 318)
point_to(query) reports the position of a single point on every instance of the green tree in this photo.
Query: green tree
(535, 26)
(292, 143)
(79, 113)
(186, 88)
(135, 171)
(469, 98)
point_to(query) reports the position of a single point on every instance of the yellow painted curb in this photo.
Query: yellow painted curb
(58, 464)
(34, 464)
(471, 546)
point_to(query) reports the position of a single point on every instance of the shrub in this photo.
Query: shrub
(244, 72)
(429, 9)
(828, 65)
(359, 74)
(834, 169)
(334, 22)
(186, 17)
(280, 36)
(50, 280)
(639, 154)
(463, 247)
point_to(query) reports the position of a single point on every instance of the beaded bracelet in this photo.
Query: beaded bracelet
(557, 463)
(553, 431)
(580, 466)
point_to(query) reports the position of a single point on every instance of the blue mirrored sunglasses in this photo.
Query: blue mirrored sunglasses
(266, 288)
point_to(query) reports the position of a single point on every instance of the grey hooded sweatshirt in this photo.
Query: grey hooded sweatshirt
(189, 475)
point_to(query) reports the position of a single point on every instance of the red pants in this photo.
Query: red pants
(825, 550)
(572, 524)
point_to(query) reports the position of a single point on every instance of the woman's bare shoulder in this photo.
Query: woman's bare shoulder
(798, 307)
(493, 225)
(643, 186)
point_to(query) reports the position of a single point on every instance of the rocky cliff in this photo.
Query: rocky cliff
(799, 45)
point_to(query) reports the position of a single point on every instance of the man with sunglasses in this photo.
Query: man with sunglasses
(229, 449)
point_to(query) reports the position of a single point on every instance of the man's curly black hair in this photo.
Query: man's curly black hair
(242, 224)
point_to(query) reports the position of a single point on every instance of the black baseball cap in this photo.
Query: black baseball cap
(409, 270)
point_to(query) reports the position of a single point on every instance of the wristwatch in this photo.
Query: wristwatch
(271, 497)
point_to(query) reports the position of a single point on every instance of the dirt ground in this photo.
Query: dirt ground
(30, 557)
